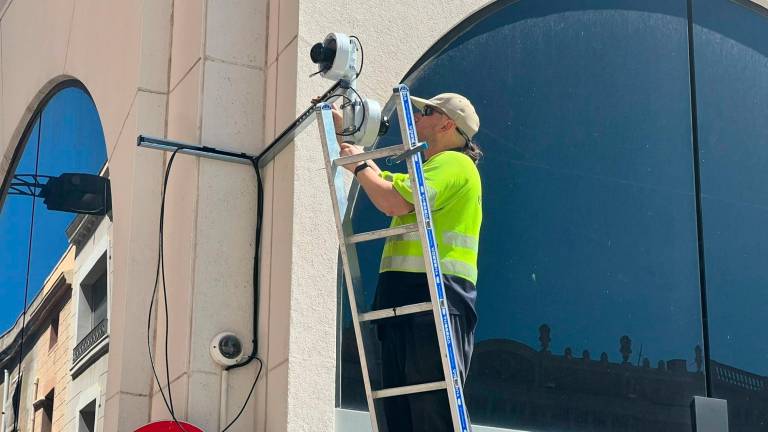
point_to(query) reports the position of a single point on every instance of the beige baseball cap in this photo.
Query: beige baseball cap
(455, 106)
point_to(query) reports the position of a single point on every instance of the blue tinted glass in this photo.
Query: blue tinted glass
(588, 295)
(731, 44)
(71, 140)
(15, 220)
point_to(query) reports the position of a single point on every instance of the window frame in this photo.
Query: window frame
(345, 415)
(92, 262)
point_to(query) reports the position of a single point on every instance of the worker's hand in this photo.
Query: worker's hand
(338, 117)
(350, 150)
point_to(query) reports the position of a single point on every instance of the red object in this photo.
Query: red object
(168, 426)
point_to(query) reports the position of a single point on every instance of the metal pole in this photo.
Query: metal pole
(183, 148)
(223, 401)
(265, 157)
(294, 129)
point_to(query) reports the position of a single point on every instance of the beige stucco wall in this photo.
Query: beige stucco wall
(228, 74)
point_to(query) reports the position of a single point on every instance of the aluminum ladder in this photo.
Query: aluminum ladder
(410, 151)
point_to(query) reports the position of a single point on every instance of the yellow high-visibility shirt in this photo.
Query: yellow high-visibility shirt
(455, 198)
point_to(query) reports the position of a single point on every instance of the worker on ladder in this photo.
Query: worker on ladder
(410, 353)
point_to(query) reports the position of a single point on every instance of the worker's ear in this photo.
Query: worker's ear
(448, 125)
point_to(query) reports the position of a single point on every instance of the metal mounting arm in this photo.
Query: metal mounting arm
(266, 156)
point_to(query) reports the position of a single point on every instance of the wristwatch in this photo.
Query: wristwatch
(361, 167)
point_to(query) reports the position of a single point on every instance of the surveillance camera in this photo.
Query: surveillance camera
(336, 57)
(227, 349)
(374, 125)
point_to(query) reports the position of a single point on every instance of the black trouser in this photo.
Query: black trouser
(410, 355)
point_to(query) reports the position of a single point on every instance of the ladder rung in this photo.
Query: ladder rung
(387, 232)
(411, 389)
(393, 312)
(373, 154)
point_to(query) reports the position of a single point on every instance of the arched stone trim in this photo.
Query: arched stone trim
(455, 32)
(10, 159)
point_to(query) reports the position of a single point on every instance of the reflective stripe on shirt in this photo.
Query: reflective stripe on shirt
(416, 264)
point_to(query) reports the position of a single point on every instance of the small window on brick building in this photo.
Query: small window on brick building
(87, 418)
(47, 415)
(53, 332)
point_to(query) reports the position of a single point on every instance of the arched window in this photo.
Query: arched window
(624, 180)
(731, 53)
(63, 136)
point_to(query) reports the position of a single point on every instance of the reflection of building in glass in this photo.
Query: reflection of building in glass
(747, 396)
(511, 384)
(45, 382)
(59, 348)
(64, 363)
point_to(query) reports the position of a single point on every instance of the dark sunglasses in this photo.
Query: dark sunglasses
(426, 111)
(429, 110)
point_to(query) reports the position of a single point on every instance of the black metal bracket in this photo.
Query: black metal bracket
(27, 184)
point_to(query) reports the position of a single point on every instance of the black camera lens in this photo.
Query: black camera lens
(323, 55)
(384, 126)
(230, 346)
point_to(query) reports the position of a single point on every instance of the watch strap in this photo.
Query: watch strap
(361, 167)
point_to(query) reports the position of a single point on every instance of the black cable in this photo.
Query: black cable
(160, 275)
(347, 99)
(19, 375)
(256, 289)
(160, 270)
(261, 367)
(362, 55)
(362, 105)
(359, 71)
(165, 295)
(357, 128)
(256, 256)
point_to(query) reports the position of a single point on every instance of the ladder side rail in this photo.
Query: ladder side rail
(355, 189)
(432, 263)
(338, 199)
(353, 265)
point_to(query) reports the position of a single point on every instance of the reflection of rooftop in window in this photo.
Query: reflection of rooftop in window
(510, 382)
(81, 229)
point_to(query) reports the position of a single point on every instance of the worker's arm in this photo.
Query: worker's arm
(380, 191)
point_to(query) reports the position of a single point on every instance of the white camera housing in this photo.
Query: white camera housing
(227, 349)
(344, 64)
(336, 58)
(369, 131)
